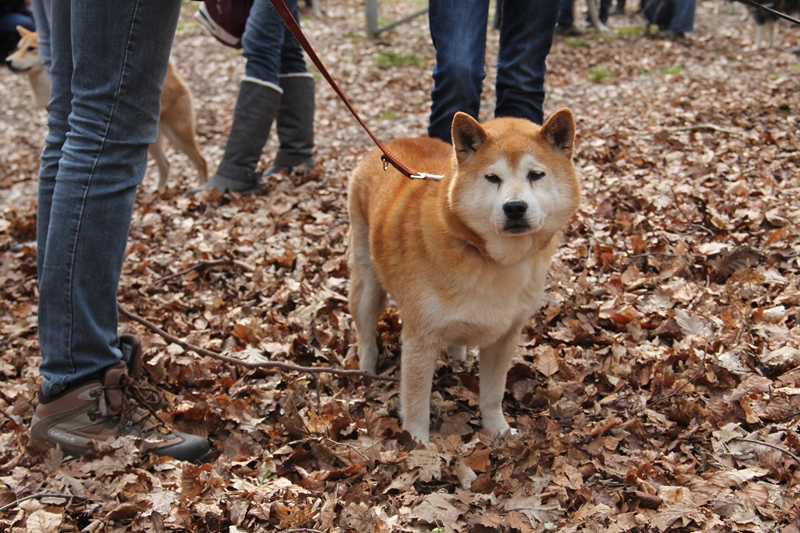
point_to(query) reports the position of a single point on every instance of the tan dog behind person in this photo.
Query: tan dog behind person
(465, 258)
(26, 60)
(176, 123)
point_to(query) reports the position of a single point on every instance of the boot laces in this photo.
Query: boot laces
(138, 396)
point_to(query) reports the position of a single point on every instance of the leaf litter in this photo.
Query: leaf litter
(658, 389)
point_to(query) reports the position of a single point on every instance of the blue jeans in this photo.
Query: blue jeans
(109, 63)
(41, 13)
(566, 18)
(683, 19)
(458, 30)
(269, 47)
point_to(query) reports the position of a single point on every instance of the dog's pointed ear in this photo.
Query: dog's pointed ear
(559, 132)
(23, 31)
(468, 136)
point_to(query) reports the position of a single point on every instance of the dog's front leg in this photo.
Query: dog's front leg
(494, 361)
(418, 363)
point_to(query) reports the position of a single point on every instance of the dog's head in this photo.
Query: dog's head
(515, 185)
(26, 58)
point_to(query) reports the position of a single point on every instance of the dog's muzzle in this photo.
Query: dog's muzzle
(515, 216)
(12, 68)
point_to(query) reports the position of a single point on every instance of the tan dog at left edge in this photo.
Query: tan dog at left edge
(465, 258)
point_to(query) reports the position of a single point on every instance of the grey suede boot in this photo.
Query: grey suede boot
(256, 107)
(295, 123)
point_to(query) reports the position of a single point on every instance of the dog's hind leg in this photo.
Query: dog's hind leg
(495, 361)
(367, 298)
(771, 31)
(182, 135)
(156, 151)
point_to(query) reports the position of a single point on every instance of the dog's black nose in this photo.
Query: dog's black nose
(515, 210)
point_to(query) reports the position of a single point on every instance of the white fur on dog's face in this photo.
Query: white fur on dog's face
(488, 198)
(512, 201)
(26, 58)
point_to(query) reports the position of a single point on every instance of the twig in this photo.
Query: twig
(691, 379)
(46, 495)
(203, 264)
(359, 452)
(664, 254)
(768, 445)
(711, 127)
(693, 224)
(265, 364)
(791, 415)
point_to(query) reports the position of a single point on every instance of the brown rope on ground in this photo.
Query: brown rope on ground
(248, 364)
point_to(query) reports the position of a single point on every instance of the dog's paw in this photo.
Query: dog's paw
(368, 358)
(496, 424)
(419, 433)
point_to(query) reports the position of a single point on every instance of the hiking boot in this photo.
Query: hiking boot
(119, 404)
(131, 348)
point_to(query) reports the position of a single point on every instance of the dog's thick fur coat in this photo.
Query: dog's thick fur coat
(465, 258)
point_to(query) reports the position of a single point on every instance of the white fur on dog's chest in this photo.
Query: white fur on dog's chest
(484, 312)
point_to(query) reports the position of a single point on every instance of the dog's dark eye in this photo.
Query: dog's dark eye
(31, 48)
(535, 175)
(492, 178)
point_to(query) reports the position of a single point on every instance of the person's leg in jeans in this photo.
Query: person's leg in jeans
(41, 13)
(566, 16)
(458, 31)
(104, 115)
(683, 19)
(109, 63)
(526, 35)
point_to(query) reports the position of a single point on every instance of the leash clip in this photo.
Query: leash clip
(425, 176)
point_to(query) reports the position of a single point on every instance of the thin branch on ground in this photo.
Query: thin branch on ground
(247, 364)
(691, 379)
(204, 264)
(711, 127)
(47, 495)
(691, 223)
(768, 445)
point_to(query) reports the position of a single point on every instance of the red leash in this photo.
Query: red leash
(387, 158)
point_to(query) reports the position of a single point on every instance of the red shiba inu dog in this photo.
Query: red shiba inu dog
(465, 258)
(176, 123)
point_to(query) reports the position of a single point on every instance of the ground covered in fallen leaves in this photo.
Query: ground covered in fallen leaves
(657, 390)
